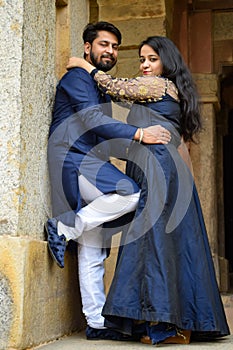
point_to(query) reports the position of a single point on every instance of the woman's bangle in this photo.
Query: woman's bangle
(140, 135)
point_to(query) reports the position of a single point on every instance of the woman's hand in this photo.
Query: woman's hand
(81, 63)
(154, 134)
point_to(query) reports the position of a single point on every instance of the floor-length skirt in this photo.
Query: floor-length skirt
(165, 271)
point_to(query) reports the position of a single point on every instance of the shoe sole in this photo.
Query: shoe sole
(50, 249)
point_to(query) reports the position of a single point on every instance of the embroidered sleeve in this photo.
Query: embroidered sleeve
(141, 89)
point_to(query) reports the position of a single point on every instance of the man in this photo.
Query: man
(79, 171)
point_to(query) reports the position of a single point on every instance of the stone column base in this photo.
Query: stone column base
(228, 307)
(39, 302)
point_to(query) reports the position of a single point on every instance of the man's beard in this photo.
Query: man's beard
(104, 66)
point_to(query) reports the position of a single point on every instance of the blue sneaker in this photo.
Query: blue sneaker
(105, 334)
(56, 244)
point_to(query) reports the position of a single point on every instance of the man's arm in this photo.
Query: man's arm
(84, 98)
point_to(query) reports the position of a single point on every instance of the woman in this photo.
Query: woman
(164, 287)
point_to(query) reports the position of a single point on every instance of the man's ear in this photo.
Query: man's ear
(87, 48)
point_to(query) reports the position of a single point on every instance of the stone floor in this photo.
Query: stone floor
(78, 342)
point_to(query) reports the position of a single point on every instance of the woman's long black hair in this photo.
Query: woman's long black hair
(175, 69)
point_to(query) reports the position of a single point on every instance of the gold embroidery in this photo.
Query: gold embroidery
(141, 89)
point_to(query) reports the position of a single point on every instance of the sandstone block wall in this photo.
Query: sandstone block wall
(11, 22)
(38, 301)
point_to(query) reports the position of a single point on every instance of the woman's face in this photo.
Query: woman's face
(150, 63)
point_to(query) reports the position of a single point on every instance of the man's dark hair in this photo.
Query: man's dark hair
(90, 32)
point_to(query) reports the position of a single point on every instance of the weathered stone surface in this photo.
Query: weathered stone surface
(11, 23)
(37, 93)
(135, 30)
(6, 310)
(39, 301)
(228, 307)
(207, 85)
(123, 11)
(79, 12)
(223, 26)
(203, 158)
(136, 21)
(27, 48)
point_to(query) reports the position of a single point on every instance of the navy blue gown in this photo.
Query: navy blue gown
(164, 271)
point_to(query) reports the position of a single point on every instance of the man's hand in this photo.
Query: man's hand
(154, 134)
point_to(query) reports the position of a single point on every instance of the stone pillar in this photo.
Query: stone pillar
(11, 20)
(38, 301)
(205, 154)
(204, 159)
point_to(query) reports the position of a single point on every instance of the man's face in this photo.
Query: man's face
(102, 53)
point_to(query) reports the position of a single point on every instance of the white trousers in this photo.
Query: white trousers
(91, 255)
(101, 208)
(91, 278)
